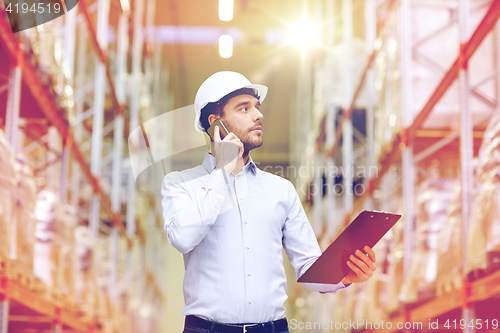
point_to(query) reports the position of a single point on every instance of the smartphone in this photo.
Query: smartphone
(222, 129)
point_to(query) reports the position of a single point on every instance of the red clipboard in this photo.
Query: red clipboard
(366, 230)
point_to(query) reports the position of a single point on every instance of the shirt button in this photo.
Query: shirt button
(246, 222)
(225, 187)
(240, 199)
(249, 274)
(248, 247)
(250, 302)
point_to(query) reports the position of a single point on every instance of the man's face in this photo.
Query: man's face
(241, 116)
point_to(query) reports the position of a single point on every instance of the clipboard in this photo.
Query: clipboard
(366, 230)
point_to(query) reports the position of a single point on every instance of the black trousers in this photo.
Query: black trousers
(195, 324)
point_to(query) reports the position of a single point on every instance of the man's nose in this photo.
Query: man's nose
(258, 114)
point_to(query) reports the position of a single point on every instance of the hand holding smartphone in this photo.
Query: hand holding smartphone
(222, 129)
(226, 155)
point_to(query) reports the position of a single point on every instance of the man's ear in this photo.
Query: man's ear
(212, 118)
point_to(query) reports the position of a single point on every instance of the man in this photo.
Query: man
(231, 220)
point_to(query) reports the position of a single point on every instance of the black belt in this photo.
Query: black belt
(279, 326)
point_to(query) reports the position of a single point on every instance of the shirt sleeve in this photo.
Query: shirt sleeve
(301, 244)
(190, 207)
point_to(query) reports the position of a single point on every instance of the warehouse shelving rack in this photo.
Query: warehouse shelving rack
(52, 314)
(476, 291)
(404, 138)
(12, 292)
(401, 147)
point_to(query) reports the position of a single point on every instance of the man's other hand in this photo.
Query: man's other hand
(362, 266)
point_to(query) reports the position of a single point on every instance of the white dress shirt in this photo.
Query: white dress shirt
(232, 235)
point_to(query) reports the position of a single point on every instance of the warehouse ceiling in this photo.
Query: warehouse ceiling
(191, 62)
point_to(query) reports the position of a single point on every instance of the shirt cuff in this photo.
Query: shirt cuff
(324, 288)
(338, 286)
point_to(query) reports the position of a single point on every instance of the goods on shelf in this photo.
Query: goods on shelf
(102, 276)
(376, 294)
(143, 208)
(395, 270)
(351, 301)
(119, 294)
(449, 263)
(359, 307)
(433, 199)
(23, 222)
(84, 281)
(483, 253)
(390, 250)
(121, 289)
(48, 237)
(339, 315)
(7, 185)
(54, 246)
(66, 268)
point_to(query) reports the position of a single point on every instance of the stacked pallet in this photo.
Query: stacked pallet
(433, 199)
(483, 255)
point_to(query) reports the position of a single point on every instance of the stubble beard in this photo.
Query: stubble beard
(247, 138)
(249, 143)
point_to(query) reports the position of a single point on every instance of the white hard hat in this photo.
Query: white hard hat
(219, 85)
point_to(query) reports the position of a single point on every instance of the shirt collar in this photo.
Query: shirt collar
(209, 164)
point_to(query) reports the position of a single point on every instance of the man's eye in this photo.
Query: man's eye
(243, 109)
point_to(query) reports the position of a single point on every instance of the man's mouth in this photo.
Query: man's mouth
(258, 128)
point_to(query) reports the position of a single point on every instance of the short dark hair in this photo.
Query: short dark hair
(210, 108)
(217, 108)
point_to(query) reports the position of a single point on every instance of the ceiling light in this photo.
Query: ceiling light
(226, 10)
(125, 6)
(304, 34)
(225, 46)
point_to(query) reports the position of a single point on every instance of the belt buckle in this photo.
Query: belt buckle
(245, 327)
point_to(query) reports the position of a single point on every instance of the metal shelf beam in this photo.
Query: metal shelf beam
(12, 291)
